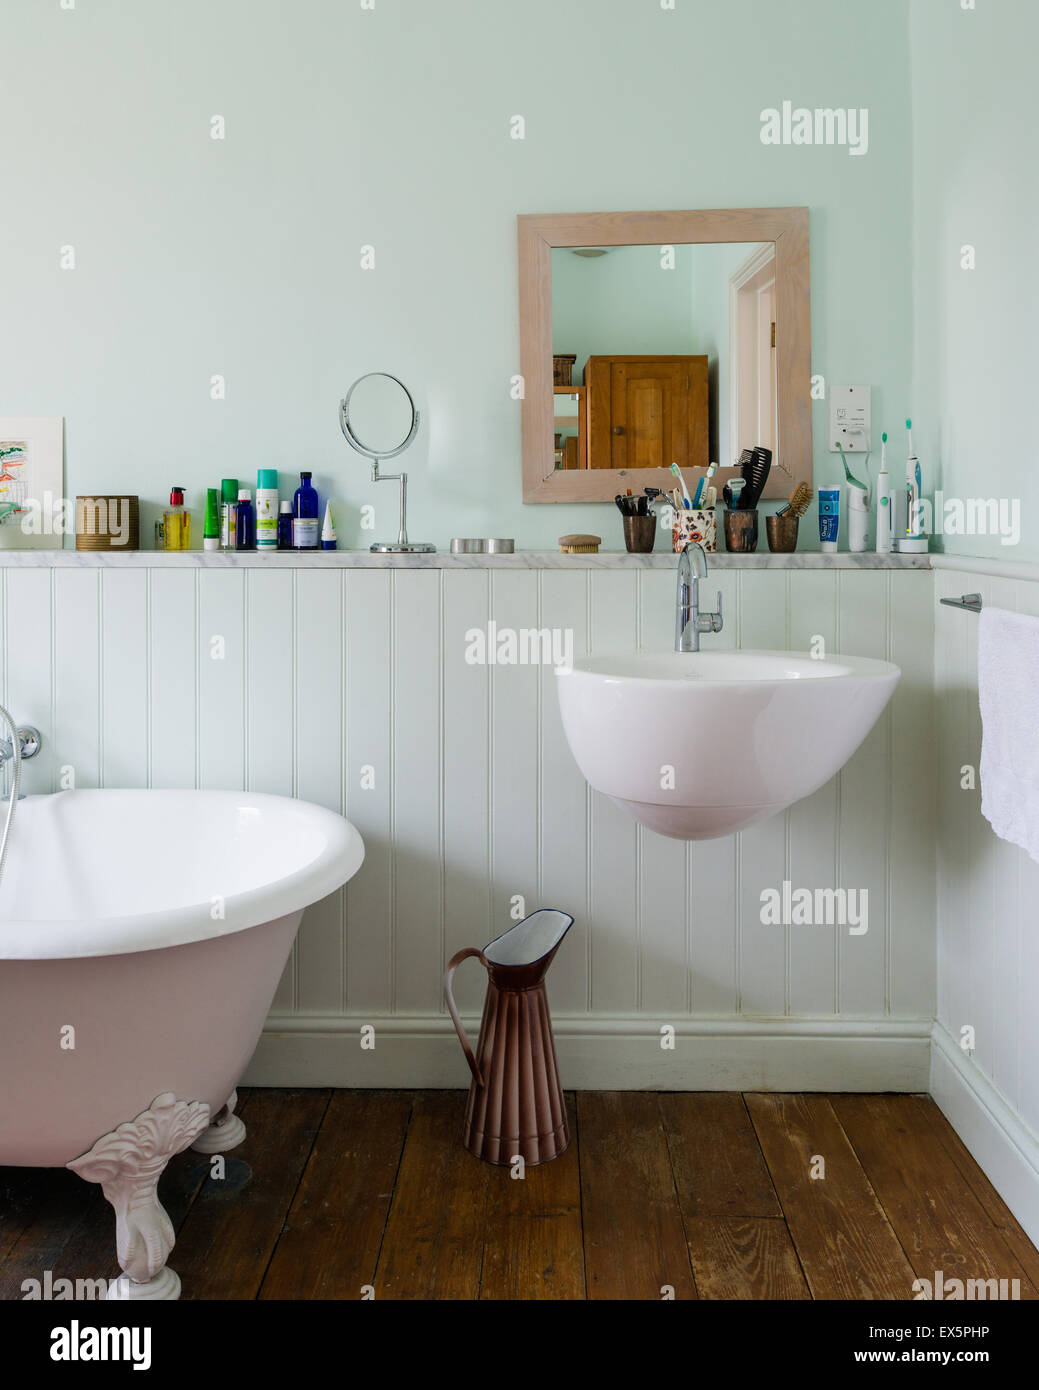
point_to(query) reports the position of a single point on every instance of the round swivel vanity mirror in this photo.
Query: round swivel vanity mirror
(379, 419)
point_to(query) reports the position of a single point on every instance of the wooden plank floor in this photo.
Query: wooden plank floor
(341, 1194)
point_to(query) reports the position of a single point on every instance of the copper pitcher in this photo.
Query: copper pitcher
(515, 1101)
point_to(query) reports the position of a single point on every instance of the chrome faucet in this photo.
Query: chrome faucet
(29, 741)
(689, 621)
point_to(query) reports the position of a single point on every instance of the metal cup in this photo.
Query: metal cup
(639, 533)
(782, 534)
(741, 531)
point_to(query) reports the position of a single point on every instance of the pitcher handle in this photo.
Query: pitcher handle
(452, 966)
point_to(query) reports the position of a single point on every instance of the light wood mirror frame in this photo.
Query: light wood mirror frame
(540, 234)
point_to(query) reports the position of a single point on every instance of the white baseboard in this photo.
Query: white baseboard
(616, 1052)
(1004, 1147)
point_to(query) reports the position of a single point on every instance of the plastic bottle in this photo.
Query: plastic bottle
(328, 529)
(228, 501)
(211, 524)
(267, 509)
(176, 522)
(305, 513)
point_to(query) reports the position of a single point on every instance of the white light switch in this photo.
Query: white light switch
(850, 419)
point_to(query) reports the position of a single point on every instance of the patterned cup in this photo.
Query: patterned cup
(698, 527)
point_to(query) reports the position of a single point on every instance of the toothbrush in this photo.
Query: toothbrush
(685, 491)
(883, 502)
(913, 488)
(703, 487)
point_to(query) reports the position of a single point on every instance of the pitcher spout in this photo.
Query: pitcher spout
(520, 957)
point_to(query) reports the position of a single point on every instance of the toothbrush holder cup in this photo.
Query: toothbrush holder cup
(741, 531)
(639, 533)
(696, 526)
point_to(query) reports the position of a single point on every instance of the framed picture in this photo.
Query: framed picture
(32, 506)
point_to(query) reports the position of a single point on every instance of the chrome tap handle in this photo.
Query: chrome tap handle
(29, 741)
(710, 622)
(716, 617)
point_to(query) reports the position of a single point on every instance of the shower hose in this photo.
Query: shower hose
(16, 751)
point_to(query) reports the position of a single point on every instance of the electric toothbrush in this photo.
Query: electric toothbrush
(914, 530)
(883, 502)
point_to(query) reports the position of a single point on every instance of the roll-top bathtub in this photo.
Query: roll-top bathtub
(142, 937)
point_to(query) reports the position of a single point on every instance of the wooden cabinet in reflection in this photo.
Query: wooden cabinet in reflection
(647, 412)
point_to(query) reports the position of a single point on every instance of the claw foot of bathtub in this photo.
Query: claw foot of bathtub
(226, 1132)
(165, 1287)
(128, 1163)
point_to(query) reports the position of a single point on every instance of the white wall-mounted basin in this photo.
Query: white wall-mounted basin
(700, 744)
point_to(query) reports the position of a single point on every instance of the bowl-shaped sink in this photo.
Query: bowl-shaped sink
(699, 744)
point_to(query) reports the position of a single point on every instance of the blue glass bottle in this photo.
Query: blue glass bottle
(285, 525)
(305, 511)
(245, 521)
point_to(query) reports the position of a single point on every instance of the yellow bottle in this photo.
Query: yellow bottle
(176, 523)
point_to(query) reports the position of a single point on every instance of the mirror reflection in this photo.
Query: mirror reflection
(663, 354)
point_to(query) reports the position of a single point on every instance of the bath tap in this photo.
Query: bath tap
(689, 621)
(29, 741)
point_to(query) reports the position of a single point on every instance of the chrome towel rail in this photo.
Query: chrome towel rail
(970, 602)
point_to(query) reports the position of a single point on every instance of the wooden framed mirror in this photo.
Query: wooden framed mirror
(688, 336)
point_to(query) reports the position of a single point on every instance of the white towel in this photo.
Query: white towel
(1008, 691)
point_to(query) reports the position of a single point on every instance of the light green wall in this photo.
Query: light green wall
(391, 127)
(976, 364)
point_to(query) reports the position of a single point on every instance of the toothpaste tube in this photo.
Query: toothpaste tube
(829, 517)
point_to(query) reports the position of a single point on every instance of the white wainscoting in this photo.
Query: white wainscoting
(476, 801)
(988, 914)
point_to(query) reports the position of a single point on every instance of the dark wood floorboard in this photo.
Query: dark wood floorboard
(227, 1241)
(998, 1212)
(20, 1193)
(433, 1246)
(737, 1257)
(709, 1195)
(932, 1209)
(634, 1239)
(62, 1207)
(717, 1161)
(533, 1245)
(843, 1238)
(330, 1245)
